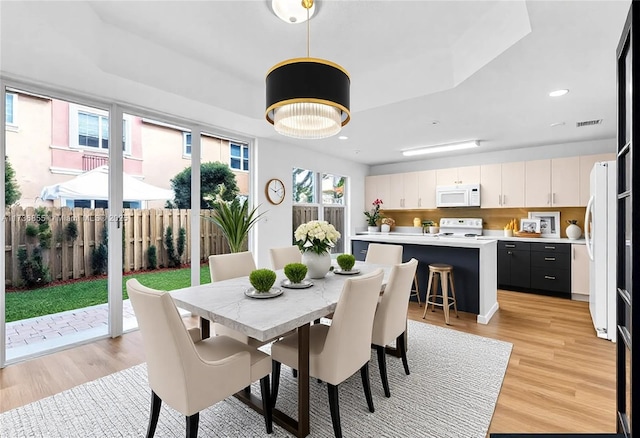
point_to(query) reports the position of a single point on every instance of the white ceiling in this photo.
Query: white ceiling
(481, 69)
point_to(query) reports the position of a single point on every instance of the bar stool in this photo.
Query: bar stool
(415, 292)
(445, 272)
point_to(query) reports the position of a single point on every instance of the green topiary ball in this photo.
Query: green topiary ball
(346, 261)
(295, 272)
(262, 279)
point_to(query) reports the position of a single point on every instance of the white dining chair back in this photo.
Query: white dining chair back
(234, 265)
(384, 254)
(280, 257)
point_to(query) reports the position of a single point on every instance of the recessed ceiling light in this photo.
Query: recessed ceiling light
(291, 11)
(343, 137)
(558, 93)
(441, 148)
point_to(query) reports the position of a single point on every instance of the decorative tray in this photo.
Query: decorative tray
(274, 292)
(302, 285)
(351, 272)
(525, 234)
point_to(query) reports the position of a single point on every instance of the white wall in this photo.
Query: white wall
(525, 154)
(277, 160)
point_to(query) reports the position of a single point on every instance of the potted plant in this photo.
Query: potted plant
(262, 279)
(235, 219)
(374, 215)
(295, 272)
(387, 224)
(346, 261)
(315, 239)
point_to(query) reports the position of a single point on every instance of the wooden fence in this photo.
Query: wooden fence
(69, 258)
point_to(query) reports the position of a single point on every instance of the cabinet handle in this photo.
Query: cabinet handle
(499, 200)
(363, 251)
(504, 199)
(419, 202)
(509, 252)
(550, 259)
(507, 245)
(549, 247)
(548, 198)
(549, 277)
(554, 198)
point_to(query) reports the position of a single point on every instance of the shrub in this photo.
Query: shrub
(182, 242)
(152, 257)
(100, 254)
(346, 261)
(262, 279)
(295, 272)
(34, 272)
(173, 259)
(31, 230)
(71, 230)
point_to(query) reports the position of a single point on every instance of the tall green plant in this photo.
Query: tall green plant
(235, 220)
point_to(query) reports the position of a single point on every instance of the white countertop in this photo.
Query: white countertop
(426, 239)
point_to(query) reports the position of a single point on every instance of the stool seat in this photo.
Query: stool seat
(445, 272)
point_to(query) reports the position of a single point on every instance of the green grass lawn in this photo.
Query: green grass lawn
(54, 299)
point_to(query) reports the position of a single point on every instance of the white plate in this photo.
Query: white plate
(302, 285)
(274, 292)
(351, 272)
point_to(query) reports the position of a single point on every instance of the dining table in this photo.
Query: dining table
(231, 303)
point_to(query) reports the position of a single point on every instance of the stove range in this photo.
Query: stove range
(460, 227)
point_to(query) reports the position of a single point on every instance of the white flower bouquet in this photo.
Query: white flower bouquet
(316, 236)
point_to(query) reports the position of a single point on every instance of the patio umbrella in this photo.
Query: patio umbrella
(94, 184)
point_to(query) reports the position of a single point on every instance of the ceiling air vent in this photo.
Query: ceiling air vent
(588, 123)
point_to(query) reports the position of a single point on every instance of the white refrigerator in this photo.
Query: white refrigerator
(600, 236)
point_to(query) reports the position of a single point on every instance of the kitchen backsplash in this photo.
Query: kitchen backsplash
(493, 218)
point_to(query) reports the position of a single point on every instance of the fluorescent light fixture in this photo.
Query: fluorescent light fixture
(441, 148)
(343, 137)
(558, 93)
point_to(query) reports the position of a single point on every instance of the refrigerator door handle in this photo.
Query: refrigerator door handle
(588, 235)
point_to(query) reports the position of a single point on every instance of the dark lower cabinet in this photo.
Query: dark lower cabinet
(535, 267)
(514, 264)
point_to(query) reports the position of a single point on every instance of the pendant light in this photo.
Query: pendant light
(307, 98)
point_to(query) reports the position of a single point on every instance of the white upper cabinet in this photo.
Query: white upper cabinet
(552, 183)
(586, 164)
(502, 185)
(376, 187)
(458, 175)
(396, 192)
(411, 195)
(427, 189)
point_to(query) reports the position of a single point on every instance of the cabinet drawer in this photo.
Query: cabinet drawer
(550, 259)
(556, 280)
(512, 245)
(564, 248)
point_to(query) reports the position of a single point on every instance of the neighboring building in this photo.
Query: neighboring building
(50, 141)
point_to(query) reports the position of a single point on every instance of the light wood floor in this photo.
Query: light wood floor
(560, 378)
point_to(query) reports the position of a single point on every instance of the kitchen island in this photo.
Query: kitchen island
(473, 261)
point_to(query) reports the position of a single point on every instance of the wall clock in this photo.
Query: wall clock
(274, 190)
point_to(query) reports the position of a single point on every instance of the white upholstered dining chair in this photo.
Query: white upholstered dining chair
(283, 256)
(224, 267)
(189, 373)
(337, 351)
(390, 321)
(384, 254)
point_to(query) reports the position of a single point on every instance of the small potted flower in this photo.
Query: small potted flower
(262, 280)
(374, 215)
(387, 224)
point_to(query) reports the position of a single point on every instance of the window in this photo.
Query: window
(304, 186)
(332, 189)
(10, 108)
(89, 128)
(239, 156)
(186, 143)
(98, 203)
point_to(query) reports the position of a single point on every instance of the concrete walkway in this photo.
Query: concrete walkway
(28, 332)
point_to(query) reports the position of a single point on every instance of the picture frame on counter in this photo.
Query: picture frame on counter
(549, 222)
(530, 225)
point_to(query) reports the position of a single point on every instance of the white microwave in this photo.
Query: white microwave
(461, 195)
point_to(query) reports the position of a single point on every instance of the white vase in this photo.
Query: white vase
(373, 229)
(385, 228)
(573, 232)
(317, 264)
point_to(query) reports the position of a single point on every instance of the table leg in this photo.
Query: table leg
(299, 428)
(205, 328)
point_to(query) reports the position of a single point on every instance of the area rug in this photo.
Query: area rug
(451, 392)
